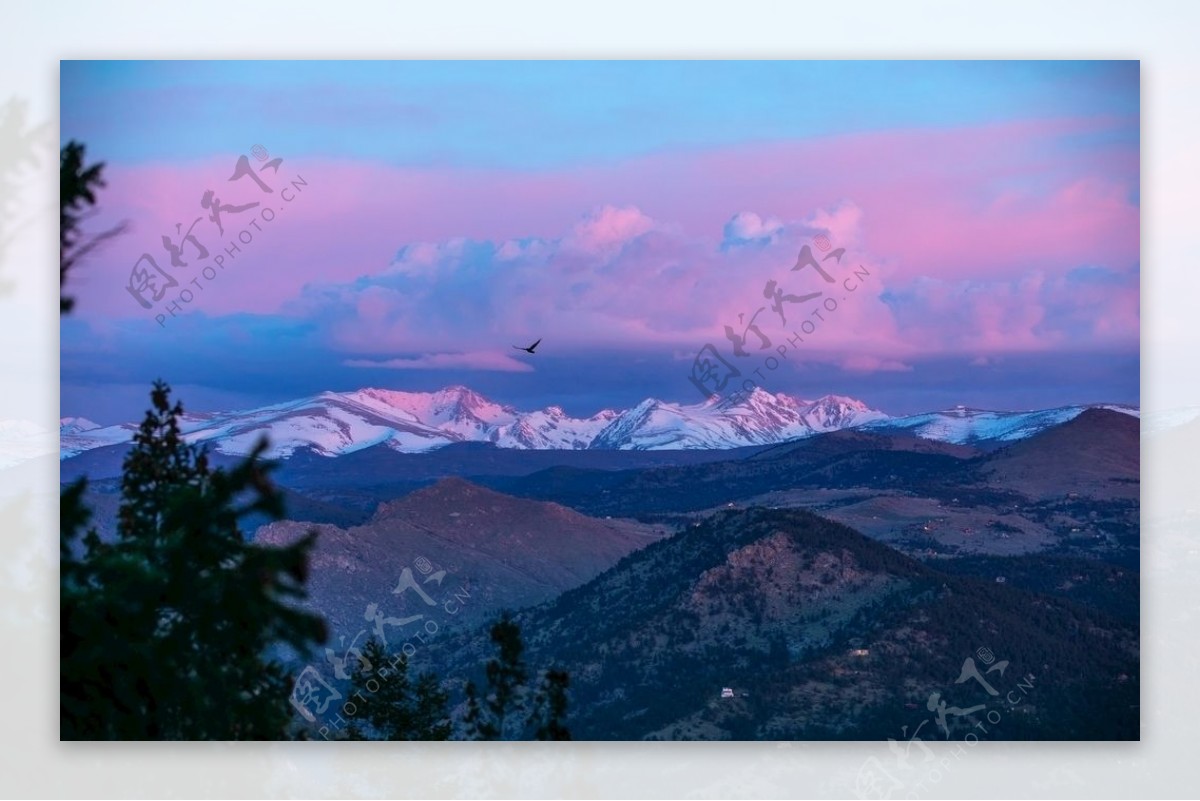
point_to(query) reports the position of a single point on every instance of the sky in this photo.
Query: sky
(917, 235)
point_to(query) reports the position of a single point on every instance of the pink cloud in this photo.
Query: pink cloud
(608, 228)
(748, 227)
(969, 236)
(665, 288)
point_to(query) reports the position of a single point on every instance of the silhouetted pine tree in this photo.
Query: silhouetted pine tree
(165, 631)
(475, 725)
(395, 708)
(506, 677)
(76, 196)
(496, 718)
(510, 711)
(431, 716)
(548, 718)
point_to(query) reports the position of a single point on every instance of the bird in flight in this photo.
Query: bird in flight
(530, 348)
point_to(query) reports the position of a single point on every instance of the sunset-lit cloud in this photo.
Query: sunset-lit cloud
(987, 221)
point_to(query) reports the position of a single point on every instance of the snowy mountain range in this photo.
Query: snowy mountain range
(962, 425)
(335, 423)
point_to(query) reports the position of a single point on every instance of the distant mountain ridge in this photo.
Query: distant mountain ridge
(820, 633)
(507, 552)
(962, 425)
(1094, 454)
(336, 423)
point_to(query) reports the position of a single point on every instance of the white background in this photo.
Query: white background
(1163, 35)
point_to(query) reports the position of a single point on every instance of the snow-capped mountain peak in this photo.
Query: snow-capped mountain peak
(832, 412)
(334, 423)
(76, 425)
(963, 424)
(758, 417)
